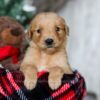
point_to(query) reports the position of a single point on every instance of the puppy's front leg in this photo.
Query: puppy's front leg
(30, 73)
(55, 77)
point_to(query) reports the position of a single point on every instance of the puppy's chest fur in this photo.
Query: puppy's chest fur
(44, 61)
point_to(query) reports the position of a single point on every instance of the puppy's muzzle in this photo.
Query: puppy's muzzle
(49, 42)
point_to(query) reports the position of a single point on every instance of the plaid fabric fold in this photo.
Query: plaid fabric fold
(12, 87)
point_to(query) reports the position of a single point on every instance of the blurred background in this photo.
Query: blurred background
(83, 18)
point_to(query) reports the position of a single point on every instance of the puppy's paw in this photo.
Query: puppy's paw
(55, 77)
(30, 83)
(54, 82)
(30, 74)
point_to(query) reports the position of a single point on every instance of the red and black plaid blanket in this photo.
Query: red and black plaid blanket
(12, 87)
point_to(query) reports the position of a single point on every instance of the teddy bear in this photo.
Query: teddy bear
(12, 43)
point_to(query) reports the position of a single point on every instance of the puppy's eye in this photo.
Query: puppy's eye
(58, 29)
(38, 31)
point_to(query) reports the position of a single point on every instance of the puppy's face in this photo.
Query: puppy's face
(48, 31)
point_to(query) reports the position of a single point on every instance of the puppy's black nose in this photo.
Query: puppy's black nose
(49, 41)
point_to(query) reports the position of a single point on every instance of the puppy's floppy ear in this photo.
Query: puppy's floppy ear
(30, 33)
(67, 29)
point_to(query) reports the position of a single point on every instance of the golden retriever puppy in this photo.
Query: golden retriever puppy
(47, 50)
